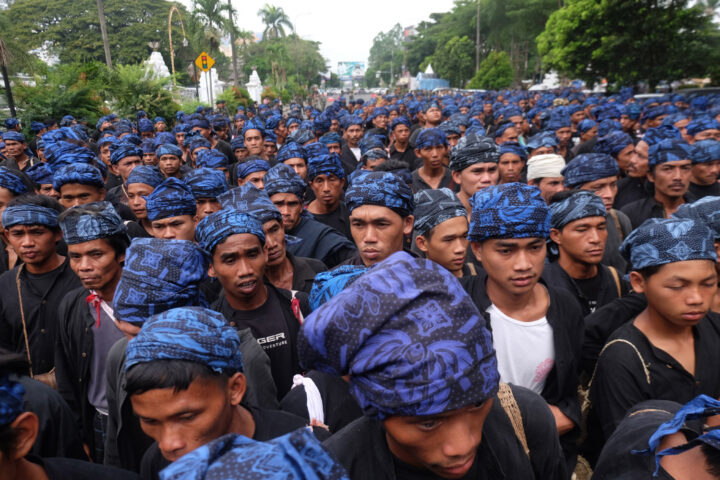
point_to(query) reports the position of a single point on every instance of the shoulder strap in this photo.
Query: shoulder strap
(295, 305)
(616, 277)
(22, 317)
(471, 267)
(614, 215)
(509, 404)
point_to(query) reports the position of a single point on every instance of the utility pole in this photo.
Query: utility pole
(4, 56)
(103, 31)
(477, 38)
(232, 41)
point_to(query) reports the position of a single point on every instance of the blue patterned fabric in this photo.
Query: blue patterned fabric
(37, 127)
(81, 173)
(374, 154)
(704, 151)
(246, 168)
(558, 121)
(273, 122)
(384, 189)
(607, 126)
(328, 164)
(697, 125)
(291, 150)
(670, 150)
(11, 123)
(145, 125)
(91, 226)
(172, 198)
(472, 149)
(218, 226)
(298, 455)
(300, 136)
(706, 210)
(40, 173)
(410, 338)
(659, 241)
(434, 206)
(515, 148)
(162, 138)
(699, 407)
(370, 142)
(663, 132)
(322, 123)
(11, 400)
(588, 167)
(211, 159)
(500, 130)
(315, 149)
(193, 334)
(510, 210)
(349, 120)
(581, 204)
(199, 122)
(248, 198)
(237, 142)
(450, 128)
(122, 149)
(159, 275)
(206, 183)
(59, 153)
(401, 120)
(147, 174)
(14, 136)
(254, 123)
(613, 143)
(29, 215)
(283, 179)
(586, 125)
(329, 283)
(168, 149)
(148, 146)
(193, 142)
(541, 139)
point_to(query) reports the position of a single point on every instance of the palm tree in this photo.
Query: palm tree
(710, 6)
(210, 14)
(275, 20)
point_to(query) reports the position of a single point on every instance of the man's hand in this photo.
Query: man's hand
(563, 423)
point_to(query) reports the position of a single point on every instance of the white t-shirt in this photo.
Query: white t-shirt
(356, 152)
(525, 350)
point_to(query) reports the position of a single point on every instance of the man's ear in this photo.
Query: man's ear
(456, 176)
(26, 431)
(237, 385)
(638, 282)
(211, 271)
(114, 169)
(476, 248)
(417, 153)
(408, 223)
(422, 243)
(556, 236)
(650, 175)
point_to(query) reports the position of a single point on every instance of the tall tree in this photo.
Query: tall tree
(629, 41)
(211, 14)
(455, 61)
(275, 20)
(386, 55)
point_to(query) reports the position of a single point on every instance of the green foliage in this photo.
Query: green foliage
(270, 93)
(133, 90)
(235, 96)
(628, 41)
(333, 82)
(386, 55)
(275, 20)
(280, 58)
(71, 89)
(455, 61)
(495, 73)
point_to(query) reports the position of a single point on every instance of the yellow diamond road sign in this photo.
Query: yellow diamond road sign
(204, 62)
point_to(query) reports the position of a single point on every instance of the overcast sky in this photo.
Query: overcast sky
(344, 28)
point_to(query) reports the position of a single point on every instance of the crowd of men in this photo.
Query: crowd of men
(464, 286)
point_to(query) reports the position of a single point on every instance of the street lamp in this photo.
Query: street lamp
(174, 9)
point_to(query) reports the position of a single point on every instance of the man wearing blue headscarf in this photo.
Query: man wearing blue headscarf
(579, 234)
(34, 288)
(286, 190)
(431, 147)
(97, 238)
(326, 178)
(705, 170)
(124, 156)
(537, 328)
(206, 184)
(426, 411)
(191, 358)
(474, 165)
(352, 132)
(171, 209)
(668, 351)
(400, 143)
(202, 125)
(16, 149)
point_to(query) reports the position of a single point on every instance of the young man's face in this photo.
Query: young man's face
(105, 154)
(541, 151)
(290, 208)
(125, 166)
(605, 188)
(577, 117)
(353, 134)
(510, 168)
(680, 292)
(95, 263)
(34, 244)
(256, 178)
(275, 242)
(150, 159)
(297, 164)
(509, 135)
(583, 241)
(73, 194)
(240, 154)
(334, 148)
(182, 420)
(444, 444)
(433, 116)
(513, 264)
(169, 165)
(14, 148)
(401, 133)
(671, 179)
(433, 156)
(625, 156)
(589, 135)
(181, 227)
(476, 177)
(563, 135)
(270, 149)
(254, 142)
(48, 190)
(180, 138)
(639, 162)
(206, 206)
(710, 134)
(327, 189)
(705, 173)
(136, 201)
(380, 121)
(378, 232)
(446, 243)
(239, 264)
(548, 186)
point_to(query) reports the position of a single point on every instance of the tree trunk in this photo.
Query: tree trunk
(232, 43)
(103, 31)
(8, 91)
